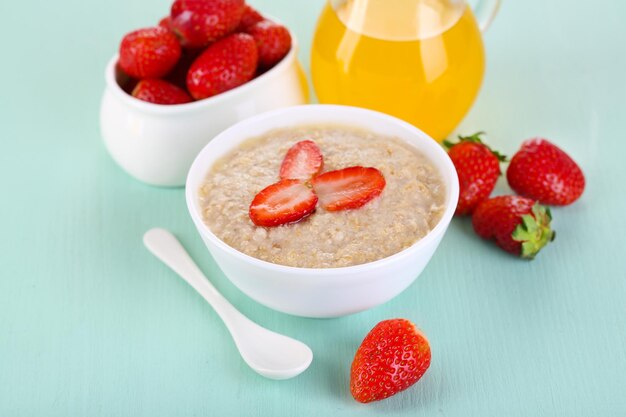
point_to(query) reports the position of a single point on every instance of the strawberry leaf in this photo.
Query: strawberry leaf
(475, 138)
(534, 231)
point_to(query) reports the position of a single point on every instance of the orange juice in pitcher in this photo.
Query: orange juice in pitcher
(420, 60)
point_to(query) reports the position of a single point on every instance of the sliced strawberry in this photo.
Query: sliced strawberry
(348, 188)
(303, 161)
(286, 201)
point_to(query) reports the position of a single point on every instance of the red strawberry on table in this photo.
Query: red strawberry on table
(303, 161)
(286, 201)
(160, 92)
(224, 65)
(542, 171)
(348, 188)
(149, 52)
(200, 22)
(393, 356)
(519, 225)
(250, 17)
(272, 40)
(478, 169)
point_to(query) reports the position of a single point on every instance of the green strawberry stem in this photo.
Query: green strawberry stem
(475, 138)
(472, 138)
(534, 231)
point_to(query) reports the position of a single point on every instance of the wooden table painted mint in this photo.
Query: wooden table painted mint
(92, 325)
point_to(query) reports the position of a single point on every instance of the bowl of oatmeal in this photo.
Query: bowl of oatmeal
(331, 259)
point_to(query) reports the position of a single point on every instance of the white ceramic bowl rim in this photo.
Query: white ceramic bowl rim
(111, 82)
(452, 192)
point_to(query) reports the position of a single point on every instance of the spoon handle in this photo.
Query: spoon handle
(168, 249)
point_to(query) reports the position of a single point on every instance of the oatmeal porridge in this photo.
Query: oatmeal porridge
(410, 205)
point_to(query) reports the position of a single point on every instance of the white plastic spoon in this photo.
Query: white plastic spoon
(268, 353)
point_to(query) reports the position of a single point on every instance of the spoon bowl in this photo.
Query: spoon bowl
(268, 353)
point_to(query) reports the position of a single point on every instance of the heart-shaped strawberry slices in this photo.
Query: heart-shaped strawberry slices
(295, 196)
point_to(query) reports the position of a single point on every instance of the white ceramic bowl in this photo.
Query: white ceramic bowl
(156, 143)
(322, 292)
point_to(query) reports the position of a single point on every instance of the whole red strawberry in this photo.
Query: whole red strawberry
(272, 40)
(478, 169)
(224, 65)
(542, 171)
(250, 17)
(149, 52)
(160, 92)
(519, 225)
(393, 356)
(200, 22)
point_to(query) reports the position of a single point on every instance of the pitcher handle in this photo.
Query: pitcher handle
(485, 11)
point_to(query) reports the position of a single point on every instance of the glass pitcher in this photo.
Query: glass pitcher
(420, 60)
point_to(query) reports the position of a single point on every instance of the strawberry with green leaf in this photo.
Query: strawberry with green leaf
(519, 225)
(478, 169)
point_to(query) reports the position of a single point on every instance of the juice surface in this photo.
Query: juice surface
(424, 67)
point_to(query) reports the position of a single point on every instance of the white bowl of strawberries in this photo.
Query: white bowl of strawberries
(172, 88)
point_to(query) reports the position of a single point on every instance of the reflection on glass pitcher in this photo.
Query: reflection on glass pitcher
(420, 60)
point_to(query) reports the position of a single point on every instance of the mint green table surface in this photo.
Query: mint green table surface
(92, 325)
